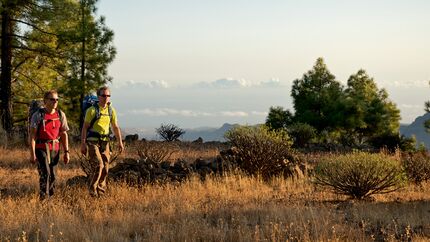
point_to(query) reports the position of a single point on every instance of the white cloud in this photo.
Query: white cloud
(258, 113)
(168, 111)
(274, 82)
(156, 112)
(234, 114)
(161, 84)
(225, 83)
(406, 84)
(230, 82)
(411, 106)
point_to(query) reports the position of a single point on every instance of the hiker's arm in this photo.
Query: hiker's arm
(33, 158)
(84, 138)
(65, 143)
(117, 133)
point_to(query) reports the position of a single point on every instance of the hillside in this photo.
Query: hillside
(417, 128)
(207, 134)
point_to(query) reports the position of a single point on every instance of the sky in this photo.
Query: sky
(203, 63)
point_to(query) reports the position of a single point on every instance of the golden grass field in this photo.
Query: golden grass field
(229, 208)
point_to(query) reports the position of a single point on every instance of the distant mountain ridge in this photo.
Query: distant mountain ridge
(417, 129)
(206, 133)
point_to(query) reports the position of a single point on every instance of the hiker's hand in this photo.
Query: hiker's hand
(84, 149)
(121, 147)
(66, 158)
(33, 158)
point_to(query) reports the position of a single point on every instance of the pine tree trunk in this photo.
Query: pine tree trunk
(83, 63)
(6, 72)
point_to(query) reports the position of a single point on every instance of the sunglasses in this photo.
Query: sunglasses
(54, 99)
(104, 95)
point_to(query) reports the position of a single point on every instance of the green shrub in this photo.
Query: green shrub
(408, 144)
(360, 174)
(301, 133)
(278, 118)
(417, 166)
(260, 151)
(393, 141)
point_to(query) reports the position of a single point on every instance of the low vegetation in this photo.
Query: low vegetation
(262, 152)
(360, 174)
(169, 132)
(417, 166)
(228, 207)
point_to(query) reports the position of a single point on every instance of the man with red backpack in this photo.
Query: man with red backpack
(95, 139)
(48, 129)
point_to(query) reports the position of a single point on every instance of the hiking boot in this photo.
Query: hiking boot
(42, 197)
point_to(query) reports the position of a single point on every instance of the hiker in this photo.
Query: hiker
(95, 139)
(48, 128)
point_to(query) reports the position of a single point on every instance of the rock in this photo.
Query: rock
(131, 138)
(198, 141)
(199, 163)
(165, 165)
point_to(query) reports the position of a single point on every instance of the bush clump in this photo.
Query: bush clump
(156, 151)
(360, 174)
(302, 134)
(417, 166)
(260, 151)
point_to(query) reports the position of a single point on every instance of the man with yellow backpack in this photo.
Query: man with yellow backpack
(95, 139)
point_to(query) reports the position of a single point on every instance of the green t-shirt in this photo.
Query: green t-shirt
(101, 125)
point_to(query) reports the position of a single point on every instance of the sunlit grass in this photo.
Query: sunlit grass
(230, 208)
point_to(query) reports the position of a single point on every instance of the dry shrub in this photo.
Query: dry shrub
(191, 151)
(84, 160)
(18, 138)
(156, 151)
(260, 151)
(417, 166)
(360, 174)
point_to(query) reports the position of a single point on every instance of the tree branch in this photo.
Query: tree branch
(31, 80)
(33, 26)
(50, 54)
(20, 102)
(27, 38)
(21, 63)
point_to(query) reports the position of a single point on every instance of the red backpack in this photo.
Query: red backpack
(48, 129)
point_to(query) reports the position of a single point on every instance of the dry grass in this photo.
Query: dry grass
(230, 208)
(180, 150)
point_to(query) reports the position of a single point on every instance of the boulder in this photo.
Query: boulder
(131, 138)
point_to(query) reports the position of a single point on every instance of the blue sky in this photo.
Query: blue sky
(199, 63)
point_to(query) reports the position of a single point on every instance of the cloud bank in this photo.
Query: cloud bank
(223, 83)
(406, 84)
(159, 84)
(230, 82)
(157, 112)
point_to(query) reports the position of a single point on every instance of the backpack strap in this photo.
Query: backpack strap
(41, 112)
(96, 117)
(110, 113)
(60, 116)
